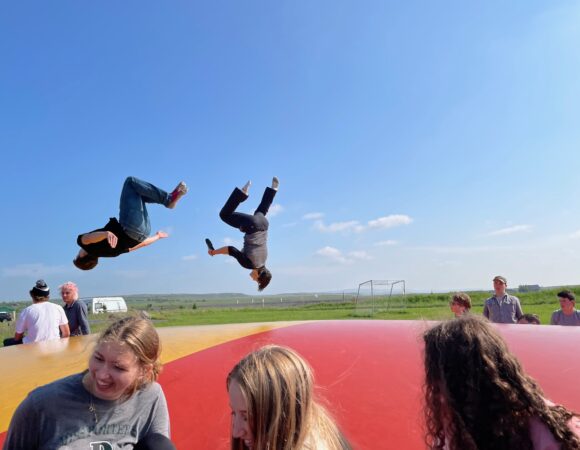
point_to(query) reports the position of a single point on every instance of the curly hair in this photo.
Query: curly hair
(477, 394)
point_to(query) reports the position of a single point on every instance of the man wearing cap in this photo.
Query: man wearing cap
(41, 321)
(567, 314)
(502, 307)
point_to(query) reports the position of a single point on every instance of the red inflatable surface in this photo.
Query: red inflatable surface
(369, 374)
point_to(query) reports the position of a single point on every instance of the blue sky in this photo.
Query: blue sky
(435, 142)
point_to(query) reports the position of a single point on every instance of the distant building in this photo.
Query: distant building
(528, 287)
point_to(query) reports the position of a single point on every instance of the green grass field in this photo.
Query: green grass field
(202, 310)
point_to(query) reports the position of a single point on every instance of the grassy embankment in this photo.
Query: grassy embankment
(175, 310)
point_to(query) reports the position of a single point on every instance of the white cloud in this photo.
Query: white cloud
(332, 253)
(362, 255)
(575, 235)
(511, 230)
(275, 209)
(313, 216)
(335, 254)
(189, 257)
(394, 220)
(386, 243)
(289, 224)
(35, 270)
(352, 225)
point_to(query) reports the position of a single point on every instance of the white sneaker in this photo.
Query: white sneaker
(246, 187)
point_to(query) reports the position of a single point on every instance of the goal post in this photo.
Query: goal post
(380, 295)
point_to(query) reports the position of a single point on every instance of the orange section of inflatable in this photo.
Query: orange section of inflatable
(369, 374)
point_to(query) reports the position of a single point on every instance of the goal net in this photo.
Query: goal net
(380, 295)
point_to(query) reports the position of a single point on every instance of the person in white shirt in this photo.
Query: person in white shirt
(41, 321)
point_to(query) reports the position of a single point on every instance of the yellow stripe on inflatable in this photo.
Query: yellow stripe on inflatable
(25, 367)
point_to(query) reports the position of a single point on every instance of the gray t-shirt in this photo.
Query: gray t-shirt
(255, 248)
(57, 416)
(506, 309)
(559, 318)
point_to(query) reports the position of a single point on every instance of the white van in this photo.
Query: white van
(97, 305)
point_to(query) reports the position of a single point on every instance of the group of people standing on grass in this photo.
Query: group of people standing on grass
(505, 308)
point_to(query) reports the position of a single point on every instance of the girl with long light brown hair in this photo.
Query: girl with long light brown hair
(273, 405)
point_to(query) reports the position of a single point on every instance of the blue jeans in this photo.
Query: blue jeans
(133, 215)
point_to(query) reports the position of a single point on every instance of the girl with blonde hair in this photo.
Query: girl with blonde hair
(479, 397)
(273, 405)
(115, 403)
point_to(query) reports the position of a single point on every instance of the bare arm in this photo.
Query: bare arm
(150, 240)
(64, 330)
(219, 251)
(98, 236)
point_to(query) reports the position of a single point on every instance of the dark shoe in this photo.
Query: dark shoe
(209, 244)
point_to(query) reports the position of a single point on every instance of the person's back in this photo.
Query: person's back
(41, 322)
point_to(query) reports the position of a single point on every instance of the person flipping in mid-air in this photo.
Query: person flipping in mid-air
(131, 231)
(255, 228)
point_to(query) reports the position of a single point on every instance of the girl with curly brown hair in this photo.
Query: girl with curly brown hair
(479, 397)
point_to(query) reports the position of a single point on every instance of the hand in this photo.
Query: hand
(211, 252)
(161, 234)
(112, 239)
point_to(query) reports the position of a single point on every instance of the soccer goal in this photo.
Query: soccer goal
(380, 295)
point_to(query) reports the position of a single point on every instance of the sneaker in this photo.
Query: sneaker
(246, 187)
(177, 193)
(275, 183)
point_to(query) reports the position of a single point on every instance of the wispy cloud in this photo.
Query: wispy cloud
(391, 221)
(336, 255)
(458, 250)
(332, 253)
(38, 270)
(189, 257)
(275, 209)
(386, 243)
(352, 225)
(313, 216)
(575, 235)
(511, 230)
(362, 255)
